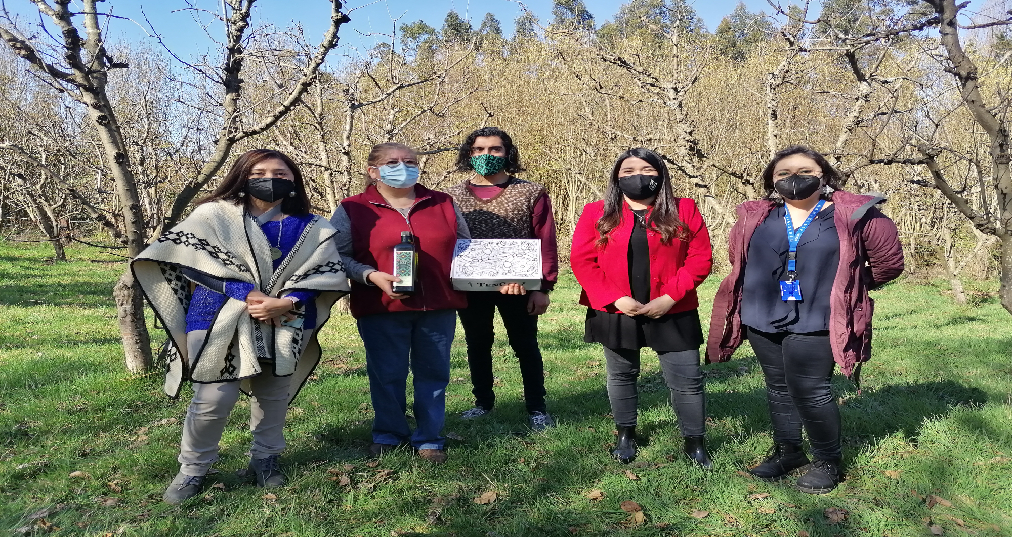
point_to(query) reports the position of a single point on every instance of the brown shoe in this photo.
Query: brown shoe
(377, 449)
(435, 456)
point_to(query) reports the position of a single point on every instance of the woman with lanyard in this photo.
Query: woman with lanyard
(802, 262)
(242, 287)
(639, 254)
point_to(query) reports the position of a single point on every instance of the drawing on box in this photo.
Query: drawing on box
(497, 258)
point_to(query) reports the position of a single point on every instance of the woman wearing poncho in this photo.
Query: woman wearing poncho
(242, 286)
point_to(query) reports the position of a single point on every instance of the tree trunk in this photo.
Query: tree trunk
(950, 267)
(133, 331)
(1005, 290)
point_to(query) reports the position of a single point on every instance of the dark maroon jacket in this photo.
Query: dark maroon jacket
(870, 255)
(376, 228)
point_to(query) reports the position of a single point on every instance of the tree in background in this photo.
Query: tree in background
(738, 33)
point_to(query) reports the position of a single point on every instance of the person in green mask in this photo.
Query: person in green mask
(498, 205)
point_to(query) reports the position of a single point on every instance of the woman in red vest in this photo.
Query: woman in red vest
(402, 330)
(639, 254)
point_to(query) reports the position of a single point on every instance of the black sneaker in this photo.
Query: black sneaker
(267, 471)
(182, 488)
(821, 477)
(782, 460)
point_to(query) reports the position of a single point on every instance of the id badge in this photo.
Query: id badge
(790, 290)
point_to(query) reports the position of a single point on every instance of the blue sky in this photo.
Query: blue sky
(371, 19)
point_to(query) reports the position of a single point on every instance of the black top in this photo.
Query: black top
(668, 333)
(639, 258)
(818, 257)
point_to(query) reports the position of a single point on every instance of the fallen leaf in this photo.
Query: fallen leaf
(959, 522)
(595, 495)
(767, 510)
(835, 515)
(744, 474)
(802, 533)
(935, 529)
(348, 467)
(219, 486)
(109, 502)
(372, 464)
(932, 500)
(699, 514)
(77, 474)
(630, 506)
(454, 436)
(383, 474)
(333, 471)
(637, 518)
(895, 474)
(758, 496)
(631, 475)
(486, 498)
(344, 481)
(114, 486)
(270, 497)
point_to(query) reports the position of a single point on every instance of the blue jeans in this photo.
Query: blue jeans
(395, 342)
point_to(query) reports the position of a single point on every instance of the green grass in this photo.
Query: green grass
(927, 442)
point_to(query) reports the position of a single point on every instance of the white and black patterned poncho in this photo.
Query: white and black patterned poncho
(221, 241)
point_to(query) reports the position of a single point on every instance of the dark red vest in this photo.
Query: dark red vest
(376, 228)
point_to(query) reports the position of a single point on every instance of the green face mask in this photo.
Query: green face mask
(486, 164)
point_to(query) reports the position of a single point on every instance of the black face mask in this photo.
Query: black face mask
(270, 189)
(639, 187)
(798, 187)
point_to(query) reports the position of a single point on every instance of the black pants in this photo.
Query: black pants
(682, 375)
(522, 333)
(798, 370)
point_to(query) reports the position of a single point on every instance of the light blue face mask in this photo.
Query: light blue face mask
(398, 175)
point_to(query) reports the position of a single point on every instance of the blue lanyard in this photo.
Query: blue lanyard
(794, 237)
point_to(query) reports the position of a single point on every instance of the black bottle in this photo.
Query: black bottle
(405, 264)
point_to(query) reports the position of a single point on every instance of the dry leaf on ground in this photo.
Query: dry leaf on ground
(895, 474)
(636, 519)
(802, 533)
(270, 497)
(595, 495)
(835, 515)
(699, 514)
(631, 475)
(372, 464)
(486, 498)
(219, 486)
(936, 529)
(630, 506)
(109, 502)
(758, 496)
(77, 474)
(933, 500)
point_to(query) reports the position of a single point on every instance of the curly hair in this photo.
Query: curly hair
(512, 154)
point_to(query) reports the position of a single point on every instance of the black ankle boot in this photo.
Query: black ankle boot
(782, 460)
(625, 448)
(695, 448)
(821, 478)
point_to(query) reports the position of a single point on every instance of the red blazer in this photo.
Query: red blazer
(676, 269)
(376, 228)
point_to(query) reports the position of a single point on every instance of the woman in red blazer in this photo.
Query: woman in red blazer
(639, 254)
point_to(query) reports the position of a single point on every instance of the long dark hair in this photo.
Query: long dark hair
(830, 176)
(512, 154)
(233, 187)
(664, 218)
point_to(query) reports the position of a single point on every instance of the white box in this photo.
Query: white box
(487, 264)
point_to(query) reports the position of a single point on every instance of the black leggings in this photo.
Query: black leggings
(682, 375)
(798, 370)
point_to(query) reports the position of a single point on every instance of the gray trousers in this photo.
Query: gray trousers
(208, 413)
(682, 375)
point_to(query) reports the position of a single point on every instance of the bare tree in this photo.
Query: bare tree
(80, 68)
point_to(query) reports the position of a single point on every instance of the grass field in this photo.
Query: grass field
(86, 449)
